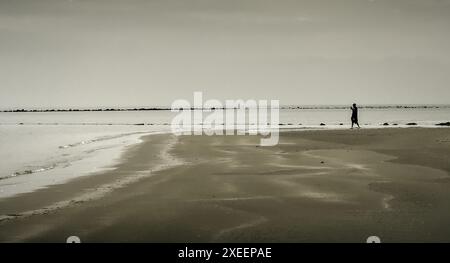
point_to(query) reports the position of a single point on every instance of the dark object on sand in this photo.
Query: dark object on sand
(443, 124)
(411, 124)
(322, 124)
(139, 124)
(395, 124)
(341, 124)
(385, 124)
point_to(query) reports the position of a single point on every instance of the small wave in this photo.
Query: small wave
(29, 171)
(68, 159)
(100, 139)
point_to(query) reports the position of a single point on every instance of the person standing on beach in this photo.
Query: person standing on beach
(355, 115)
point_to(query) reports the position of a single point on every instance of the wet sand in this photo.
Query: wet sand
(315, 186)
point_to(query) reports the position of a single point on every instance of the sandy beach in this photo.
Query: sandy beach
(315, 186)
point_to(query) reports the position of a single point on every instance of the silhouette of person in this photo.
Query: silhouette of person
(354, 115)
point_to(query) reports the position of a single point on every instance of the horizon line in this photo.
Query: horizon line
(168, 108)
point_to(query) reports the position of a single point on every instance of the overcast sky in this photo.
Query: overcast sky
(136, 52)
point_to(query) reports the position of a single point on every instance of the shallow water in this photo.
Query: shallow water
(44, 148)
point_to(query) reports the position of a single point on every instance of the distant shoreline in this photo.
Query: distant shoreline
(165, 108)
(321, 126)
